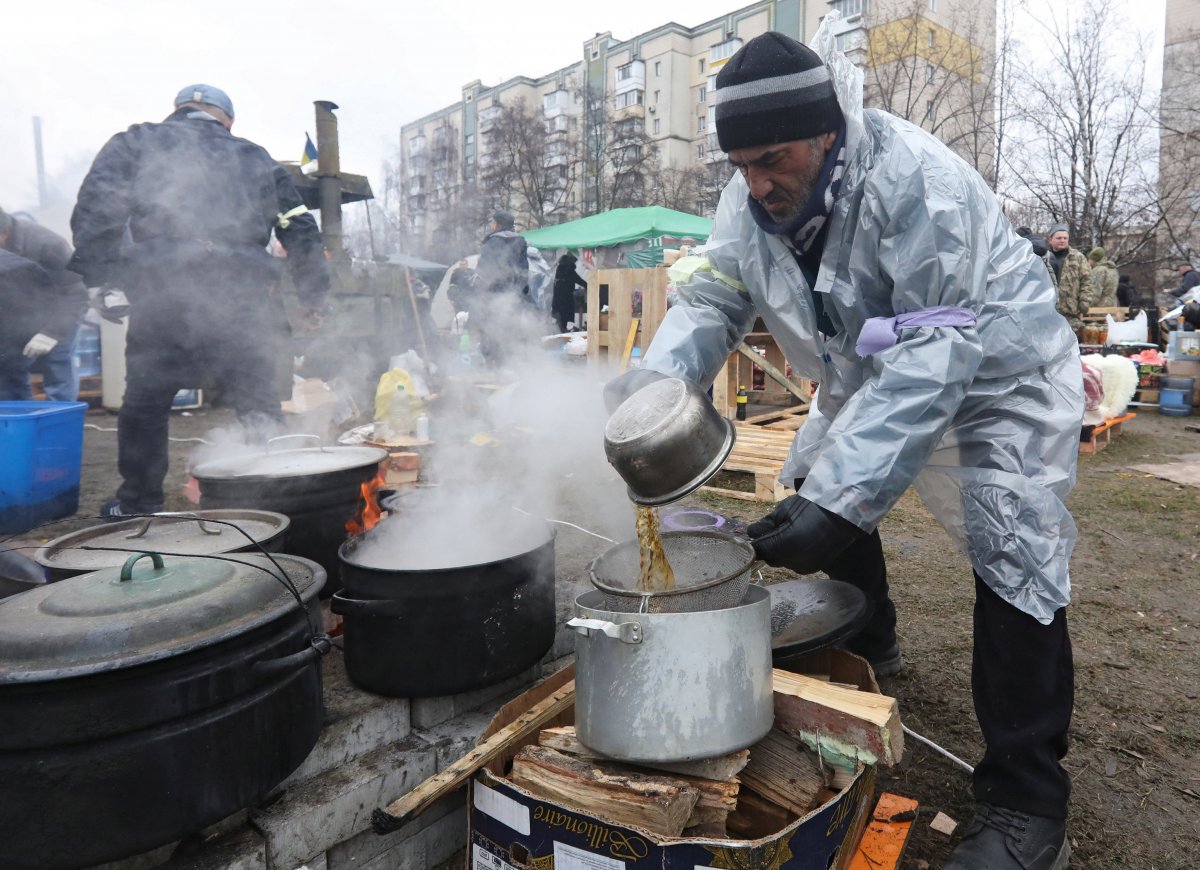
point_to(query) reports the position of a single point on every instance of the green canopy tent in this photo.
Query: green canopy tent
(619, 226)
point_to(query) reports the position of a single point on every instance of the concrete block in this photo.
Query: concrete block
(314, 815)
(453, 739)
(430, 847)
(356, 722)
(240, 849)
(367, 848)
(427, 712)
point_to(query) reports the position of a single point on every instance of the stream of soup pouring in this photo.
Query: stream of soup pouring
(656, 574)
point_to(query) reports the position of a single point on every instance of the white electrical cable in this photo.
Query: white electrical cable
(176, 440)
(565, 523)
(937, 748)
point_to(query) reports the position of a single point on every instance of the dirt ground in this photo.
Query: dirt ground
(1135, 737)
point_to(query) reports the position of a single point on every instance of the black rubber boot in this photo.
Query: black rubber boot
(1003, 839)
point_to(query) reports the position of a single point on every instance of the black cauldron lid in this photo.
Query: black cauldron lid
(151, 608)
(298, 462)
(108, 545)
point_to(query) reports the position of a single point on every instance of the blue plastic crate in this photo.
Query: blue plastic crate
(41, 454)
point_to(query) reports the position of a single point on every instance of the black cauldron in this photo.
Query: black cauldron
(319, 489)
(414, 630)
(142, 704)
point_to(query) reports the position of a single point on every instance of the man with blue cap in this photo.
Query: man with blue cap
(173, 222)
(885, 268)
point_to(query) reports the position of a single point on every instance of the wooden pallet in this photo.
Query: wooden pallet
(1103, 433)
(759, 452)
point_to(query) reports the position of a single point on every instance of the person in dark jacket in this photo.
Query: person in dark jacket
(501, 288)
(1188, 278)
(1038, 243)
(174, 218)
(42, 303)
(566, 279)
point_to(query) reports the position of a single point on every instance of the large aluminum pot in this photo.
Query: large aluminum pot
(657, 687)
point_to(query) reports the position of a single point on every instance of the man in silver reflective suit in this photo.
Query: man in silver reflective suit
(886, 270)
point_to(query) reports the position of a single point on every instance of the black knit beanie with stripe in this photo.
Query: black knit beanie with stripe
(774, 89)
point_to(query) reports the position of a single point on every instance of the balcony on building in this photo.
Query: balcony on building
(630, 77)
(722, 51)
(851, 8)
(629, 104)
(557, 126)
(443, 143)
(555, 103)
(488, 118)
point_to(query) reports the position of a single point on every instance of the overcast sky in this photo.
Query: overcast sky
(89, 68)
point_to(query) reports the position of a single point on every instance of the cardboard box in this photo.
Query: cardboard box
(1187, 369)
(510, 829)
(308, 395)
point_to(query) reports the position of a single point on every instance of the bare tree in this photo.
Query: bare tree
(678, 188)
(618, 155)
(1081, 146)
(940, 76)
(532, 164)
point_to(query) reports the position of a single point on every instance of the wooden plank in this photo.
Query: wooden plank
(654, 305)
(629, 342)
(838, 719)
(620, 311)
(593, 319)
(772, 372)
(776, 415)
(397, 813)
(723, 767)
(883, 842)
(518, 705)
(643, 801)
(785, 772)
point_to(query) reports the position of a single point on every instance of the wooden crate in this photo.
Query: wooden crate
(759, 452)
(608, 333)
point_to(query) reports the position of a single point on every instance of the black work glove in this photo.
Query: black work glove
(626, 384)
(802, 536)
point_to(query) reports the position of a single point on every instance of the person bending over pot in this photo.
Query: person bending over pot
(885, 268)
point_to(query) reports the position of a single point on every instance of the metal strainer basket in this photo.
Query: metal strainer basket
(712, 572)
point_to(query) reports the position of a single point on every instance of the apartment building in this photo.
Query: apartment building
(632, 123)
(1179, 139)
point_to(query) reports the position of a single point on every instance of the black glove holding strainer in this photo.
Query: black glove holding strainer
(802, 536)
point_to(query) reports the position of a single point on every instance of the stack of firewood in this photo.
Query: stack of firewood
(823, 732)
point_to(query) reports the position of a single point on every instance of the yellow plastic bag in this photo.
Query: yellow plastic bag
(388, 382)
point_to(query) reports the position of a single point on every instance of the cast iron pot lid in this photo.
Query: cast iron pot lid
(110, 544)
(297, 462)
(814, 614)
(153, 607)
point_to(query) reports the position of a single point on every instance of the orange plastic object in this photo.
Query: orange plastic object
(882, 843)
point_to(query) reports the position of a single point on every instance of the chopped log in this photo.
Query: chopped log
(848, 725)
(642, 801)
(723, 767)
(756, 817)
(784, 771)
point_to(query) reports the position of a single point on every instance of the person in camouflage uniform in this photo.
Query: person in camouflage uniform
(1072, 277)
(1104, 279)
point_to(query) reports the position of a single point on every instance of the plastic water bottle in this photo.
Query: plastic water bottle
(423, 427)
(399, 416)
(464, 348)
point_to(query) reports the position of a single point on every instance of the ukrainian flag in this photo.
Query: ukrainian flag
(310, 151)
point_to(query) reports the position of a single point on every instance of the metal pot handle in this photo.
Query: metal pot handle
(266, 670)
(127, 569)
(344, 606)
(626, 632)
(316, 438)
(148, 521)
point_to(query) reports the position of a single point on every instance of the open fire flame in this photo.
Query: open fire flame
(370, 514)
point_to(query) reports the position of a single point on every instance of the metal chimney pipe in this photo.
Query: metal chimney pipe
(329, 184)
